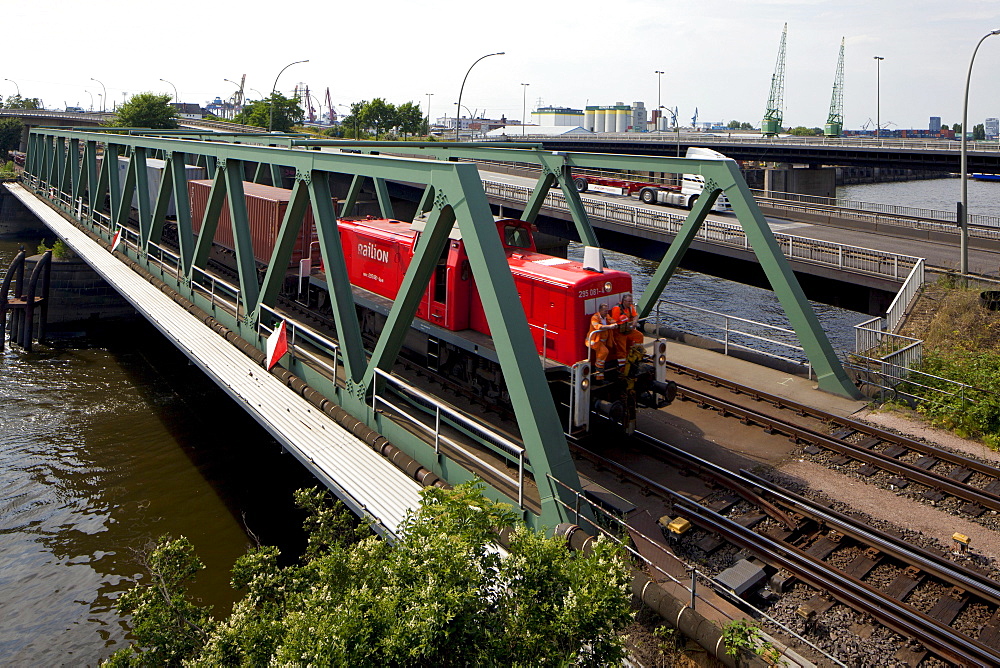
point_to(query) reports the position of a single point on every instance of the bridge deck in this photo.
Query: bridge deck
(362, 478)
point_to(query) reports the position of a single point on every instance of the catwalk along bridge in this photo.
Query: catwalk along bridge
(338, 405)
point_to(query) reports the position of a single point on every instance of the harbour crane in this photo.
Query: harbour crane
(835, 121)
(771, 125)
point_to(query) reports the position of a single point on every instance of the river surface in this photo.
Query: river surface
(107, 443)
(937, 194)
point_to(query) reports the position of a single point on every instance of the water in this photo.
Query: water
(103, 449)
(937, 194)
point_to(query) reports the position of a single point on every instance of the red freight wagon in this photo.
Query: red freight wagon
(266, 207)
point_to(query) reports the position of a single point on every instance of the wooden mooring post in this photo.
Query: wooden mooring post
(25, 299)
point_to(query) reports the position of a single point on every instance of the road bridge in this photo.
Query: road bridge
(341, 377)
(929, 155)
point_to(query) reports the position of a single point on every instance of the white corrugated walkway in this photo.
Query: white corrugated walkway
(359, 475)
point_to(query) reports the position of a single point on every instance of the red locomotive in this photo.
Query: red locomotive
(558, 296)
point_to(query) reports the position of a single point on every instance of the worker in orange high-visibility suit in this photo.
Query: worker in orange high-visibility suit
(600, 338)
(626, 316)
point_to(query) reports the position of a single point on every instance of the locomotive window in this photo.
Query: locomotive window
(441, 277)
(516, 237)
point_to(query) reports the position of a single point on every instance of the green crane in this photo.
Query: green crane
(835, 121)
(771, 125)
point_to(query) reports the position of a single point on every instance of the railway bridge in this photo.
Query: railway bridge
(338, 406)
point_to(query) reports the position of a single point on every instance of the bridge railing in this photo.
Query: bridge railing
(723, 138)
(731, 332)
(981, 226)
(220, 294)
(445, 416)
(304, 343)
(825, 253)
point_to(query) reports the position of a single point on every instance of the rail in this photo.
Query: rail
(499, 443)
(855, 259)
(688, 584)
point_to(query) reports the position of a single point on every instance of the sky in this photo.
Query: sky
(717, 55)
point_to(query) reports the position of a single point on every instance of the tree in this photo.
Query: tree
(979, 132)
(411, 119)
(802, 131)
(287, 113)
(146, 110)
(18, 102)
(377, 114)
(440, 595)
(11, 129)
(957, 127)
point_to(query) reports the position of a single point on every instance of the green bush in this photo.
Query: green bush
(59, 250)
(973, 413)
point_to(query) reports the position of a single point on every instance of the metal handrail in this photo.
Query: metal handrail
(904, 298)
(728, 331)
(506, 446)
(298, 331)
(717, 138)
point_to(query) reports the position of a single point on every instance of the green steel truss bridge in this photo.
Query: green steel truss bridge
(72, 183)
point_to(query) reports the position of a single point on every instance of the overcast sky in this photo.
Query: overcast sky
(717, 56)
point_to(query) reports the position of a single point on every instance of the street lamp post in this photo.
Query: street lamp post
(15, 86)
(964, 213)
(458, 109)
(274, 89)
(524, 105)
(104, 97)
(177, 98)
(429, 113)
(878, 103)
(91, 99)
(659, 103)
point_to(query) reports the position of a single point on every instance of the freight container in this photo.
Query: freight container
(266, 206)
(154, 175)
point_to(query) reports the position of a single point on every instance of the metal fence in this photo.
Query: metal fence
(732, 332)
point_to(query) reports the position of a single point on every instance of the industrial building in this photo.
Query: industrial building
(618, 117)
(992, 127)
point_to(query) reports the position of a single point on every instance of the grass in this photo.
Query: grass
(962, 343)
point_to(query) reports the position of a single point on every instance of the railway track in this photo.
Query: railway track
(940, 472)
(917, 593)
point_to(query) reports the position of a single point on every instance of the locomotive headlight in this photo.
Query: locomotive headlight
(662, 359)
(607, 286)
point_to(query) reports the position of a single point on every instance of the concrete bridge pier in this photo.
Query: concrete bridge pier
(79, 299)
(16, 221)
(814, 181)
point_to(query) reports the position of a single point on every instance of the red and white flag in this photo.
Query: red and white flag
(277, 345)
(116, 240)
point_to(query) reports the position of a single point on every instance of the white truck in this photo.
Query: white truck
(684, 195)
